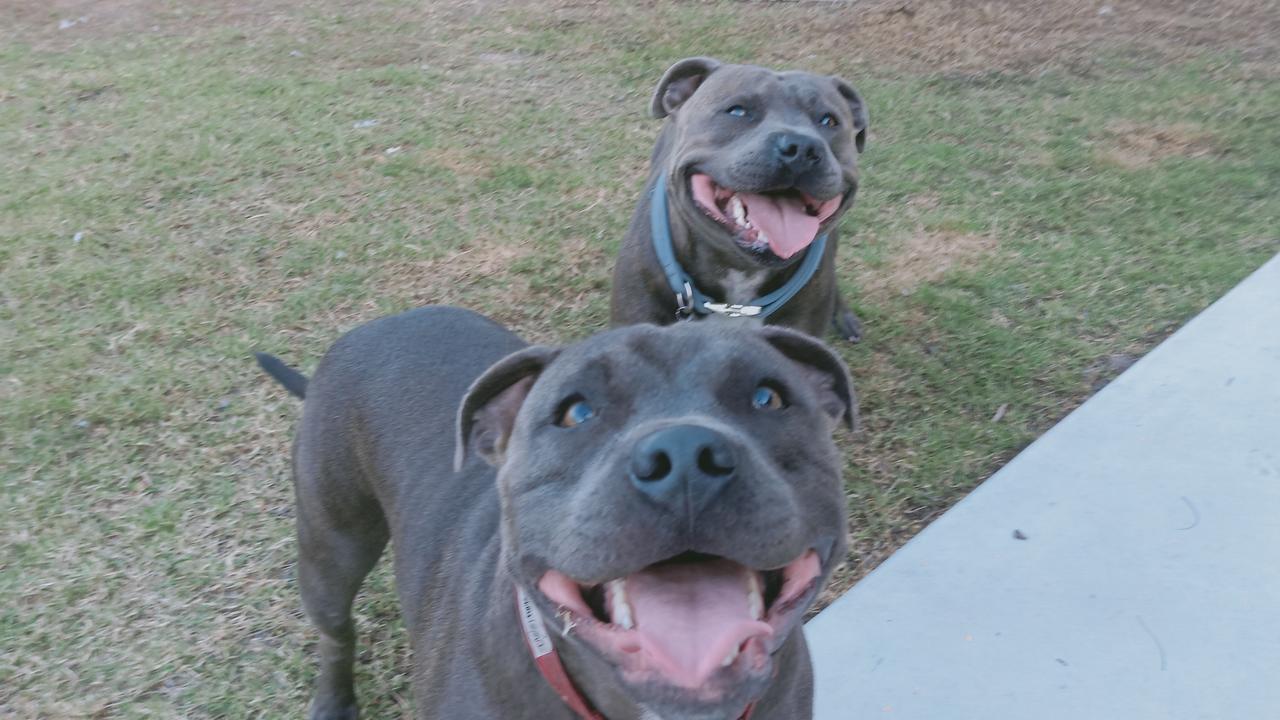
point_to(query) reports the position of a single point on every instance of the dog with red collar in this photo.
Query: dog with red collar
(631, 527)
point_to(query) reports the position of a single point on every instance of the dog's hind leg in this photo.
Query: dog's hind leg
(338, 545)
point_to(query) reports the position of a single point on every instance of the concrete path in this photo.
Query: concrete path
(1148, 583)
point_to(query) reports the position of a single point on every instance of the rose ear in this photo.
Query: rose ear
(678, 84)
(825, 371)
(859, 110)
(488, 410)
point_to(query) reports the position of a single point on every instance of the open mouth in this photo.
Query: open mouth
(783, 222)
(681, 621)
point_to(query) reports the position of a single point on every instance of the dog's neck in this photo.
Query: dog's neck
(723, 273)
(743, 287)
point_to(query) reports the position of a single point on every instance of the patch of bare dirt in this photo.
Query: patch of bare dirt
(61, 23)
(958, 36)
(1132, 145)
(1013, 35)
(923, 257)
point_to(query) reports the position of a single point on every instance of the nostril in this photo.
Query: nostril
(790, 151)
(716, 462)
(653, 468)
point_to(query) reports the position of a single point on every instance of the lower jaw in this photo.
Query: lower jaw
(751, 671)
(586, 614)
(755, 252)
(715, 698)
(762, 255)
(729, 705)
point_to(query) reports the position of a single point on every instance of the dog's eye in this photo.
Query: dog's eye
(737, 111)
(828, 120)
(766, 398)
(573, 412)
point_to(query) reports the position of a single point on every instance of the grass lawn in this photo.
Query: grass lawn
(1048, 192)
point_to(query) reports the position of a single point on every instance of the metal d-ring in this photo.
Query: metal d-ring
(684, 303)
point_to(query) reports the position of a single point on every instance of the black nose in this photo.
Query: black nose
(683, 467)
(796, 151)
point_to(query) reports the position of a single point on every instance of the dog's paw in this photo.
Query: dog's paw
(330, 708)
(847, 325)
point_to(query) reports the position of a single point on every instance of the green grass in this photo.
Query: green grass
(1017, 227)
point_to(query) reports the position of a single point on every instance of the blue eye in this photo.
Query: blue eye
(575, 412)
(766, 398)
(828, 120)
(737, 111)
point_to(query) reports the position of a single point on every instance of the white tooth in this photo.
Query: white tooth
(761, 237)
(566, 619)
(755, 600)
(621, 608)
(739, 212)
(728, 659)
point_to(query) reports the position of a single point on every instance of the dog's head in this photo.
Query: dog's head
(671, 500)
(762, 161)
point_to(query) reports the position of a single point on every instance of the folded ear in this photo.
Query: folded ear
(825, 371)
(488, 410)
(678, 84)
(859, 110)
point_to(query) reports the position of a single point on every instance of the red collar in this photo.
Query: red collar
(548, 660)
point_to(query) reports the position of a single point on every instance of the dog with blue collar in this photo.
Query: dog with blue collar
(752, 171)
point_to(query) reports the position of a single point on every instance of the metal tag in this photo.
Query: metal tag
(733, 311)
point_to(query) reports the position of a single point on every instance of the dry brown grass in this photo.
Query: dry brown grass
(921, 257)
(145, 472)
(1133, 146)
(1010, 35)
(980, 36)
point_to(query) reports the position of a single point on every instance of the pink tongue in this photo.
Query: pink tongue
(784, 221)
(690, 616)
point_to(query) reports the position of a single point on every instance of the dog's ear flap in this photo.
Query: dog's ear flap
(488, 410)
(825, 371)
(859, 110)
(678, 84)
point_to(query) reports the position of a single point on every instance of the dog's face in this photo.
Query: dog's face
(763, 161)
(671, 500)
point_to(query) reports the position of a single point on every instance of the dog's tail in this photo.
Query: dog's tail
(292, 380)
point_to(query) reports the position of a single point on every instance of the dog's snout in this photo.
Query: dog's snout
(796, 150)
(683, 467)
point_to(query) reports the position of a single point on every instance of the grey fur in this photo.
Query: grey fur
(374, 459)
(697, 133)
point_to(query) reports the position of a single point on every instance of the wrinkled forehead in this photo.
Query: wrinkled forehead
(791, 87)
(682, 356)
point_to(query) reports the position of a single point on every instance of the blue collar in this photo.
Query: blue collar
(689, 299)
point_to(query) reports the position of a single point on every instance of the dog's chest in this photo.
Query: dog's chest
(741, 287)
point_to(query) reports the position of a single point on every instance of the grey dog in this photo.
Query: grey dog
(755, 168)
(651, 510)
